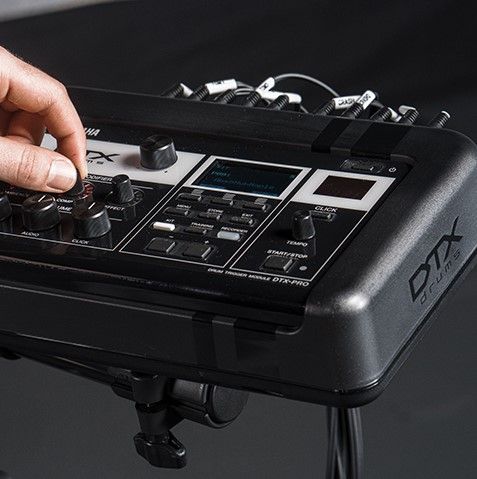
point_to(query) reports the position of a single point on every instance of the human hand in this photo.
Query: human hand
(30, 100)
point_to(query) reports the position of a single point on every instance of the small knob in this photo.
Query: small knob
(90, 220)
(303, 227)
(5, 206)
(40, 212)
(78, 187)
(122, 190)
(158, 152)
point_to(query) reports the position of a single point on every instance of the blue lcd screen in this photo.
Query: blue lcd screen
(258, 179)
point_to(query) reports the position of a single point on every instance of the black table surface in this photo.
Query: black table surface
(420, 53)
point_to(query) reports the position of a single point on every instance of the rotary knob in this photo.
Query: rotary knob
(5, 206)
(303, 227)
(40, 212)
(90, 220)
(158, 152)
(122, 190)
(78, 187)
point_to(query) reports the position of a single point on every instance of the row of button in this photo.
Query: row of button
(196, 230)
(210, 215)
(215, 200)
(189, 250)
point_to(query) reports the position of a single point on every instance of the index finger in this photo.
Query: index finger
(34, 91)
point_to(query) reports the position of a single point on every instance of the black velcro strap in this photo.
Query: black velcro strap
(379, 140)
(330, 134)
(204, 340)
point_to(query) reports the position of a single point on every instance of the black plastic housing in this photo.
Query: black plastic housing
(354, 328)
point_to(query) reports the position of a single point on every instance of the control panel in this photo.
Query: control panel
(245, 219)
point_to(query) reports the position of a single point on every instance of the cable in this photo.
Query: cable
(409, 117)
(383, 114)
(226, 97)
(358, 107)
(279, 103)
(439, 120)
(355, 438)
(252, 99)
(310, 79)
(325, 109)
(241, 84)
(332, 438)
(345, 444)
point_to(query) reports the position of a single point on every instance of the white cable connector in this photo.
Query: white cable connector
(216, 87)
(405, 108)
(273, 95)
(343, 102)
(395, 116)
(366, 99)
(266, 85)
(186, 91)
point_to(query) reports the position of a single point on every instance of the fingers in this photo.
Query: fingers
(26, 88)
(25, 127)
(32, 167)
(4, 121)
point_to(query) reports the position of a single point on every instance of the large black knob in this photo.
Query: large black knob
(90, 220)
(122, 190)
(303, 227)
(5, 206)
(40, 212)
(158, 152)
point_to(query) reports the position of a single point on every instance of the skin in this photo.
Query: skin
(31, 101)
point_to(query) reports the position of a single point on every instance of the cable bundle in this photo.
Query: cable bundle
(365, 106)
(345, 444)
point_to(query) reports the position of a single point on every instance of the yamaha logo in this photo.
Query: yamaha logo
(92, 131)
(439, 262)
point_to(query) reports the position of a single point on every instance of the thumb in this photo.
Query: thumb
(35, 168)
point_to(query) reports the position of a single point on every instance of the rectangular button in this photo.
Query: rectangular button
(161, 245)
(278, 263)
(363, 166)
(195, 230)
(189, 197)
(163, 226)
(323, 215)
(221, 201)
(208, 215)
(176, 211)
(249, 205)
(228, 235)
(197, 251)
(242, 220)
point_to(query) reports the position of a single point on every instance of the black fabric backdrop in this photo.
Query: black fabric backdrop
(416, 52)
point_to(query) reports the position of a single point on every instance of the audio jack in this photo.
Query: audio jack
(409, 116)
(225, 97)
(213, 88)
(325, 109)
(177, 90)
(279, 103)
(360, 105)
(439, 120)
(252, 99)
(383, 114)
(199, 93)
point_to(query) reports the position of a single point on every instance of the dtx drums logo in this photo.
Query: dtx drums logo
(100, 157)
(439, 262)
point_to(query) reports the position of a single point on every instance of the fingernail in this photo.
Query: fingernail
(62, 175)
